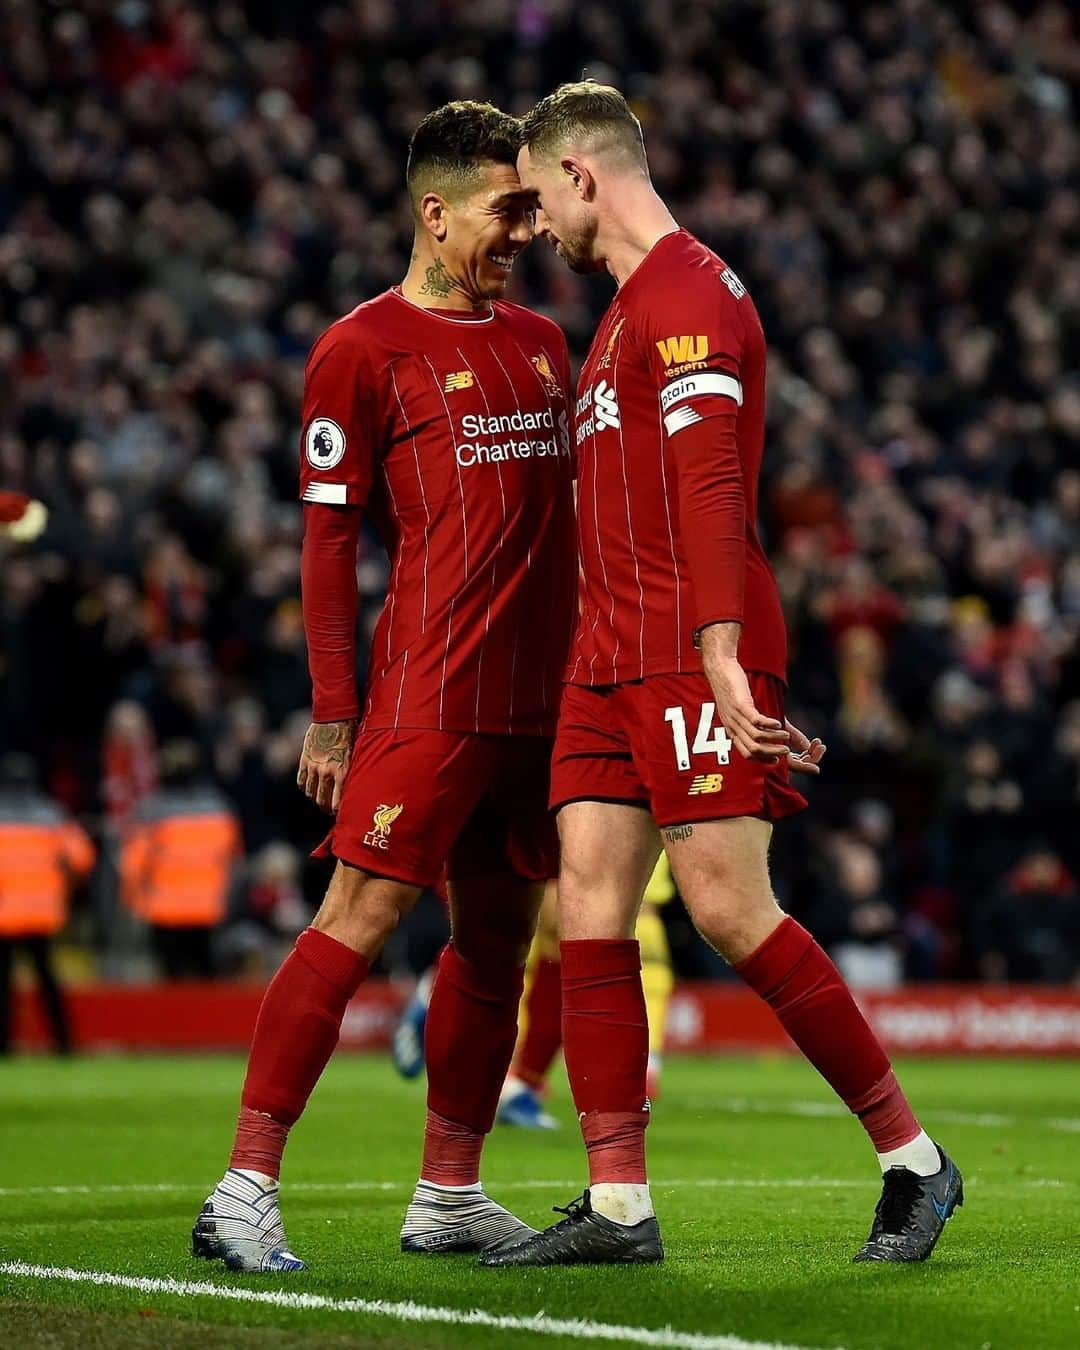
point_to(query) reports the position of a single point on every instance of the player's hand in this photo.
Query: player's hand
(324, 762)
(756, 736)
(804, 755)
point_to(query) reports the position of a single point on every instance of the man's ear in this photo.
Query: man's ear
(433, 215)
(580, 176)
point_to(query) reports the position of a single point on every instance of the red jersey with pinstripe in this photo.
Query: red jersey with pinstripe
(679, 346)
(452, 431)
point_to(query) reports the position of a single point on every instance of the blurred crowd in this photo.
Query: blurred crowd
(190, 192)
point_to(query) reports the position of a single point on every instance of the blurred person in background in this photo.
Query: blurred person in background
(1029, 928)
(178, 862)
(44, 856)
(856, 920)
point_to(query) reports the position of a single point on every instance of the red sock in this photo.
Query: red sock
(297, 1029)
(451, 1152)
(808, 994)
(468, 1040)
(543, 1027)
(606, 1046)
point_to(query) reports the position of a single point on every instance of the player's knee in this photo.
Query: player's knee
(736, 921)
(361, 910)
(595, 911)
(487, 950)
(503, 939)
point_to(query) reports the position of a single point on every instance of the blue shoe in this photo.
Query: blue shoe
(408, 1045)
(522, 1108)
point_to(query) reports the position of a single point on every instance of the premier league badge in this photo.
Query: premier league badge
(324, 441)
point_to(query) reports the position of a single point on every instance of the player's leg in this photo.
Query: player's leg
(471, 1030)
(539, 1025)
(721, 867)
(297, 1029)
(609, 847)
(404, 801)
(7, 993)
(657, 977)
(407, 1047)
(40, 951)
(608, 854)
(657, 982)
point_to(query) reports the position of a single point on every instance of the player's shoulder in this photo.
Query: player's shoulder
(691, 255)
(530, 323)
(689, 284)
(360, 331)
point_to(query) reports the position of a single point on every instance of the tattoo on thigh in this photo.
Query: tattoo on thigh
(676, 832)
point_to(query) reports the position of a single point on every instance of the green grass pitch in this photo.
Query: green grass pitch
(764, 1189)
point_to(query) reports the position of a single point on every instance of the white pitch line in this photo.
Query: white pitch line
(536, 1184)
(665, 1338)
(989, 1120)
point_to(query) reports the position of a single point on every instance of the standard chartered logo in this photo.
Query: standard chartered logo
(595, 410)
(607, 407)
(478, 433)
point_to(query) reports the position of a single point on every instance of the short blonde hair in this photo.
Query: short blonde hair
(587, 115)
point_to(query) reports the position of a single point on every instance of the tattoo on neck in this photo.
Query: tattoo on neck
(676, 832)
(437, 281)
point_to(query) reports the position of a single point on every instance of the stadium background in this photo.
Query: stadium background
(190, 193)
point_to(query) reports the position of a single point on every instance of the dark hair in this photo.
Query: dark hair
(587, 114)
(450, 145)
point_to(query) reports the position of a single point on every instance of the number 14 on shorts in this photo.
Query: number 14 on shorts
(707, 739)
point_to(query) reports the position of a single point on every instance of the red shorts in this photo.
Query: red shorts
(656, 742)
(418, 804)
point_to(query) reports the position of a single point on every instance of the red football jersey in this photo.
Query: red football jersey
(452, 430)
(667, 495)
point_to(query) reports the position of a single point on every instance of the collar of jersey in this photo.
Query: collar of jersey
(671, 234)
(450, 315)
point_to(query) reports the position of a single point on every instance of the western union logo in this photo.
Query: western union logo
(677, 351)
(459, 379)
(705, 782)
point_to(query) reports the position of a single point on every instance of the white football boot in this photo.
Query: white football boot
(448, 1219)
(240, 1224)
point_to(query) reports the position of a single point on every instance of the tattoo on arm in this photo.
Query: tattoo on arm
(676, 832)
(329, 742)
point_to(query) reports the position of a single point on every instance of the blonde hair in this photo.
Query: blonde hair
(586, 115)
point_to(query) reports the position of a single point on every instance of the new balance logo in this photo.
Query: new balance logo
(607, 407)
(458, 379)
(704, 783)
(678, 351)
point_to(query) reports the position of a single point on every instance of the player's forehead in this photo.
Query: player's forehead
(528, 169)
(499, 186)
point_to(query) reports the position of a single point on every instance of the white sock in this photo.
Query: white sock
(512, 1087)
(622, 1202)
(259, 1178)
(474, 1187)
(920, 1156)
